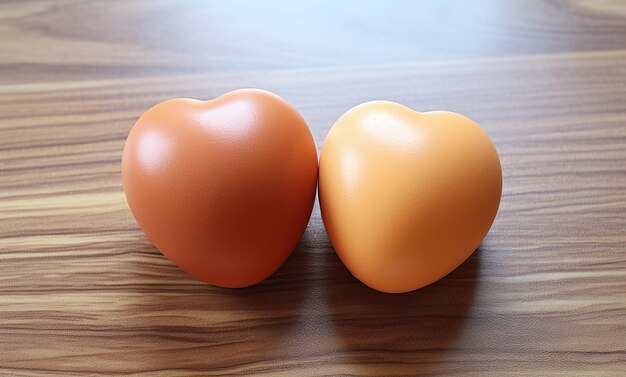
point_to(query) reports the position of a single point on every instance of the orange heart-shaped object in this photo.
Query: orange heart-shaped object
(224, 188)
(406, 197)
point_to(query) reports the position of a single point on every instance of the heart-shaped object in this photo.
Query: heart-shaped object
(406, 197)
(224, 188)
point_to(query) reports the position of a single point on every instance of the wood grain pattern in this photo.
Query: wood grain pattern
(83, 293)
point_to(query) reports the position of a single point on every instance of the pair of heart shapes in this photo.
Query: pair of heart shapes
(225, 188)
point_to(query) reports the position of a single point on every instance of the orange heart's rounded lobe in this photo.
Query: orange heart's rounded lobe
(406, 197)
(224, 188)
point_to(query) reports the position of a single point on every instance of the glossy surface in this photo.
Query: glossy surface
(406, 197)
(223, 188)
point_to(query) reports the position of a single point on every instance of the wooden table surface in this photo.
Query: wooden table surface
(83, 293)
